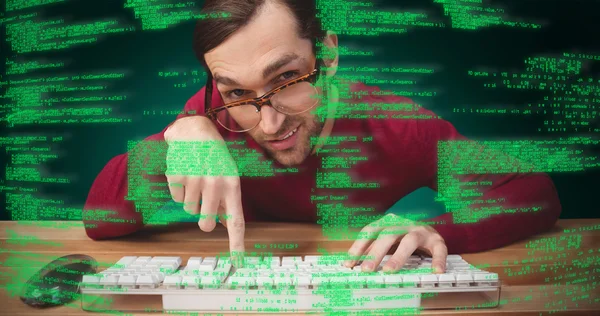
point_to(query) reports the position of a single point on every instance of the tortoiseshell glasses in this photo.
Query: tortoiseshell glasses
(294, 97)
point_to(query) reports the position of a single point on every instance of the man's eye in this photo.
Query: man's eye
(284, 77)
(290, 73)
(233, 93)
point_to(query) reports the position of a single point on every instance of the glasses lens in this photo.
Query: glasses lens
(296, 98)
(239, 118)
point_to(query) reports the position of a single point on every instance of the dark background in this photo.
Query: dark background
(569, 26)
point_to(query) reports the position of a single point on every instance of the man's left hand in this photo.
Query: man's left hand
(386, 232)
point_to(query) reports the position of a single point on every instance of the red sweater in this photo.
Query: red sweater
(401, 157)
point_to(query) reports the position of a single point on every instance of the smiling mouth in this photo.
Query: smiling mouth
(289, 134)
(286, 141)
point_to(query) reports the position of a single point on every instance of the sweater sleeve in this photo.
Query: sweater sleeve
(505, 207)
(114, 208)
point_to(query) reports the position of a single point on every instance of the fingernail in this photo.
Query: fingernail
(389, 267)
(367, 266)
(438, 269)
(349, 263)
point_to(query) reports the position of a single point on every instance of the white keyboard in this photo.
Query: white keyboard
(284, 284)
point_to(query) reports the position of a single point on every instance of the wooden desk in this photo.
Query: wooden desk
(528, 269)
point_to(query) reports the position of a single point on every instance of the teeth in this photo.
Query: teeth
(290, 134)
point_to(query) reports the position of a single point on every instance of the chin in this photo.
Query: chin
(290, 159)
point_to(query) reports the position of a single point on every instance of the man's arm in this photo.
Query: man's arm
(108, 212)
(525, 203)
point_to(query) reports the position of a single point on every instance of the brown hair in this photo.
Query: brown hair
(224, 17)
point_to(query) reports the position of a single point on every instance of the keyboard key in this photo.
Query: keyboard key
(253, 260)
(207, 265)
(375, 281)
(245, 272)
(393, 279)
(113, 270)
(283, 280)
(110, 280)
(236, 282)
(91, 281)
(171, 259)
(464, 279)
(153, 265)
(143, 259)
(429, 280)
(264, 281)
(190, 282)
(357, 282)
(221, 264)
(194, 261)
(304, 264)
(454, 258)
(411, 280)
(125, 261)
(303, 280)
(338, 281)
(446, 280)
(485, 278)
(155, 260)
(318, 280)
(273, 261)
(127, 281)
(225, 267)
(168, 267)
(172, 282)
(159, 276)
(294, 259)
(137, 265)
(210, 282)
(147, 281)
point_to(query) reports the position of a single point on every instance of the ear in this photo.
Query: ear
(330, 53)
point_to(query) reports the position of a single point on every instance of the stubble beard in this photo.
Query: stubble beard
(309, 129)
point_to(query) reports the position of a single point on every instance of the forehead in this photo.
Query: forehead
(270, 35)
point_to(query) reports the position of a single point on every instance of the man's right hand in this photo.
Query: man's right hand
(201, 169)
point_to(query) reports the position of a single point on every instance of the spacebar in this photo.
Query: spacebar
(254, 301)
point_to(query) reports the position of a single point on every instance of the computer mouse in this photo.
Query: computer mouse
(58, 282)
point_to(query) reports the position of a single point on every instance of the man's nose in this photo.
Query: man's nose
(271, 120)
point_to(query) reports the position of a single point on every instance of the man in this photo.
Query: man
(257, 47)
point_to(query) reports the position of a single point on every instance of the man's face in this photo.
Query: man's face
(243, 57)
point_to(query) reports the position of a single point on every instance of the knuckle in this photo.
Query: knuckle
(377, 252)
(390, 233)
(393, 261)
(232, 182)
(238, 223)
(412, 238)
(369, 228)
(210, 181)
(441, 247)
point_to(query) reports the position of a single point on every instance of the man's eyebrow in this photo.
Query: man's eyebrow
(269, 70)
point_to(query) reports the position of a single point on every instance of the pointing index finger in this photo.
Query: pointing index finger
(439, 253)
(236, 227)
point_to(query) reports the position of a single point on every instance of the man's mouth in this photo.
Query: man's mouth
(289, 134)
(286, 141)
